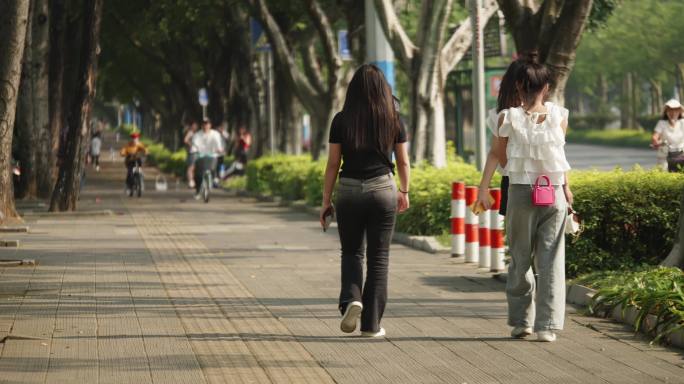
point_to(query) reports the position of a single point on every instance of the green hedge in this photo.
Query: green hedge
(630, 217)
(615, 138)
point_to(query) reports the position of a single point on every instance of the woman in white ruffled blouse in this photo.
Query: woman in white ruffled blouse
(668, 135)
(532, 139)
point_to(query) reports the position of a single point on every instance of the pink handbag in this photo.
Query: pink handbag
(543, 195)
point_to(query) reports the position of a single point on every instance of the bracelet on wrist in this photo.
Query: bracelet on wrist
(404, 192)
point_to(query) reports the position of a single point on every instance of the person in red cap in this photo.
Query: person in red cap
(133, 151)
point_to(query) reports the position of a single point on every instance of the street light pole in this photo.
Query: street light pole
(478, 82)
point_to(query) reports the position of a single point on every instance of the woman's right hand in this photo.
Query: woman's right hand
(483, 198)
(402, 202)
(324, 208)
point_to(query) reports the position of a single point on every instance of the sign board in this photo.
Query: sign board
(203, 97)
(259, 38)
(343, 45)
(493, 84)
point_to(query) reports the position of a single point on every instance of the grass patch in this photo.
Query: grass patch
(444, 239)
(615, 138)
(236, 183)
(651, 290)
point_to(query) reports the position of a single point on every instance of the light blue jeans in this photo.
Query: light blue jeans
(536, 235)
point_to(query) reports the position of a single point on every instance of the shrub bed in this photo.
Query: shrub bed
(630, 217)
(651, 290)
(616, 138)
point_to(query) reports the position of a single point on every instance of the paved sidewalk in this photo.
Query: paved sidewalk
(171, 290)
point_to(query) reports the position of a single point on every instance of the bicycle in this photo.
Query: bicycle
(138, 181)
(206, 163)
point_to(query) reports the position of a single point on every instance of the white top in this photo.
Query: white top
(535, 149)
(674, 136)
(95, 146)
(492, 122)
(206, 144)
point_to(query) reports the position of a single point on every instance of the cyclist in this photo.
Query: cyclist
(207, 144)
(133, 152)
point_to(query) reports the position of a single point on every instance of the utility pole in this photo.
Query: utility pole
(478, 83)
(378, 49)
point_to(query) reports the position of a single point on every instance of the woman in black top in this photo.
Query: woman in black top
(364, 136)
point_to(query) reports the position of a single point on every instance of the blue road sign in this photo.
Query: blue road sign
(343, 44)
(203, 97)
(259, 38)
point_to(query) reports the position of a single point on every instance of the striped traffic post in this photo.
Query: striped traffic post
(496, 233)
(458, 211)
(471, 236)
(484, 239)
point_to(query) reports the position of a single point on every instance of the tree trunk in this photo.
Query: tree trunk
(32, 125)
(13, 25)
(679, 69)
(656, 97)
(57, 56)
(626, 102)
(554, 29)
(635, 107)
(437, 140)
(602, 94)
(24, 132)
(67, 189)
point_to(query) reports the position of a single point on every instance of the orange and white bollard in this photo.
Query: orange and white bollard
(472, 244)
(484, 239)
(496, 230)
(458, 212)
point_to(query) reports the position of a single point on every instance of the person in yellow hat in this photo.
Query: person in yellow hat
(133, 152)
(669, 135)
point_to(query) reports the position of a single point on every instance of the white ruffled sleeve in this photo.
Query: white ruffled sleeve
(492, 121)
(506, 127)
(660, 127)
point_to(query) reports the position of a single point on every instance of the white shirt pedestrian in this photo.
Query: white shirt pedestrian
(207, 143)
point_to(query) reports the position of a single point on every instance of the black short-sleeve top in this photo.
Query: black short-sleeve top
(363, 163)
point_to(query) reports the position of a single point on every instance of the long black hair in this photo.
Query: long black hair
(369, 114)
(508, 93)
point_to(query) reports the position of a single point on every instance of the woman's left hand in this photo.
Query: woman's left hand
(568, 194)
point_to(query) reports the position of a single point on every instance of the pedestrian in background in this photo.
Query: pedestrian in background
(533, 136)
(507, 98)
(95, 148)
(363, 137)
(190, 160)
(668, 136)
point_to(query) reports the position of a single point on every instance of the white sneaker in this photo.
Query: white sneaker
(546, 336)
(521, 332)
(351, 316)
(197, 196)
(379, 333)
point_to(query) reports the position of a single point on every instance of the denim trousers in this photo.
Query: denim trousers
(366, 208)
(536, 235)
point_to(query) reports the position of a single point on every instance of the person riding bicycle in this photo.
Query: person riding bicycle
(133, 152)
(207, 144)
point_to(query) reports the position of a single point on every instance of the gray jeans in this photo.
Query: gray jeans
(366, 208)
(536, 235)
